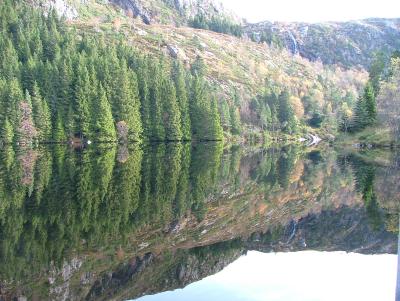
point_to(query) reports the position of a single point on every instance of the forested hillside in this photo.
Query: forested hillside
(56, 85)
(157, 82)
(374, 119)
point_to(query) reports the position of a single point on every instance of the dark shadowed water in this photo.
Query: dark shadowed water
(198, 222)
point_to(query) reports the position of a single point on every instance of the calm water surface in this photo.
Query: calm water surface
(198, 222)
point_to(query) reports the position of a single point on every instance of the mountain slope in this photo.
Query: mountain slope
(345, 43)
(233, 64)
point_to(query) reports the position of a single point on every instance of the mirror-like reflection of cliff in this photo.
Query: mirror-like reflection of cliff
(113, 222)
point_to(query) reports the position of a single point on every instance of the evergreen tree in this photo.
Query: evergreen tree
(64, 84)
(178, 76)
(13, 96)
(82, 100)
(265, 116)
(217, 132)
(286, 113)
(370, 104)
(143, 84)
(7, 132)
(198, 67)
(41, 115)
(158, 130)
(225, 115)
(104, 123)
(360, 118)
(198, 108)
(365, 111)
(235, 121)
(58, 132)
(171, 116)
(126, 103)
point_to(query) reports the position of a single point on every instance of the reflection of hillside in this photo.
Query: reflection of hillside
(343, 229)
(160, 204)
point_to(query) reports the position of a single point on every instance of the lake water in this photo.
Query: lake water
(198, 222)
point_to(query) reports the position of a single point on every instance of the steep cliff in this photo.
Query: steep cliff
(344, 43)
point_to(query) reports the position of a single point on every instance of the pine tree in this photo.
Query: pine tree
(360, 118)
(198, 108)
(198, 67)
(58, 132)
(370, 103)
(158, 130)
(236, 127)
(7, 132)
(217, 132)
(365, 112)
(104, 123)
(41, 115)
(126, 103)
(171, 116)
(13, 98)
(286, 113)
(82, 100)
(143, 84)
(178, 75)
(265, 116)
(225, 115)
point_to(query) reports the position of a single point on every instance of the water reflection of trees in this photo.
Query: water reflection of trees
(55, 201)
(58, 200)
(365, 178)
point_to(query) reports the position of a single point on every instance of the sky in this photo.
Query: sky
(313, 10)
(301, 276)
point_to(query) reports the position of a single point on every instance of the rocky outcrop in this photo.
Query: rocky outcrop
(61, 6)
(190, 8)
(344, 43)
(136, 8)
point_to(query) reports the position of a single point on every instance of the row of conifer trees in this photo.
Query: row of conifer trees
(57, 84)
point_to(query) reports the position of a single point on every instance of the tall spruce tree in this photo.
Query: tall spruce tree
(178, 76)
(360, 118)
(225, 115)
(103, 119)
(143, 84)
(286, 113)
(7, 132)
(156, 102)
(83, 100)
(171, 116)
(217, 132)
(236, 127)
(126, 101)
(41, 115)
(370, 103)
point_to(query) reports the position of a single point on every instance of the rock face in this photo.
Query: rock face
(62, 7)
(344, 43)
(136, 8)
(178, 11)
(190, 8)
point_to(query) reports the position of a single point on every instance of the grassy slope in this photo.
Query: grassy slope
(231, 61)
